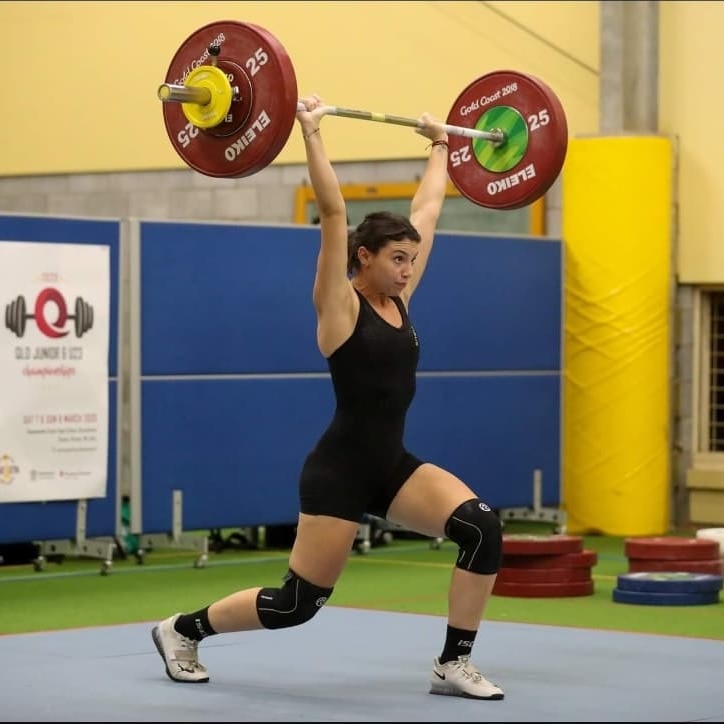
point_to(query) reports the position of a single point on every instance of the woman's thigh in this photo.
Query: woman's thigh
(427, 500)
(321, 548)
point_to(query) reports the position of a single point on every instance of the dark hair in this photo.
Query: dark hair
(374, 233)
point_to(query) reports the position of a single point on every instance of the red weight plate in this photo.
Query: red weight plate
(534, 121)
(543, 590)
(643, 565)
(543, 575)
(672, 548)
(272, 111)
(523, 544)
(584, 559)
(240, 106)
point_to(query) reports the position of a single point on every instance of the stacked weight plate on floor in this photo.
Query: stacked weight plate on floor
(545, 566)
(673, 554)
(674, 588)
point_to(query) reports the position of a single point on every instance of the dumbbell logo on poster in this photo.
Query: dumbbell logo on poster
(50, 313)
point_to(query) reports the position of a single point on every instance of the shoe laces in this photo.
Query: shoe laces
(187, 651)
(467, 668)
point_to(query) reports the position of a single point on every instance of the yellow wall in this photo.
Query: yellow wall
(691, 108)
(80, 82)
(80, 78)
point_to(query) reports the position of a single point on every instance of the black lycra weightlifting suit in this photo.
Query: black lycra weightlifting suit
(360, 461)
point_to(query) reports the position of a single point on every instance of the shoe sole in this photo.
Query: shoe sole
(157, 641)
(436, 688)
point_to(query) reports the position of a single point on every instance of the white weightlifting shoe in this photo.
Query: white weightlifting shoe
(459, 677)
(181, 655)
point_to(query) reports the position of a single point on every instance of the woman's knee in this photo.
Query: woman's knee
(479, 534)
(295, 602)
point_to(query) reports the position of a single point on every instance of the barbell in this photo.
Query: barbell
(17, 315)
(230, 100)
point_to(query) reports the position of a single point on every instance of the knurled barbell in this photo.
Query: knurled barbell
(230, 100)
(17, 315)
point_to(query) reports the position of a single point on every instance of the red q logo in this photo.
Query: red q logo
(50, 313)
(47, 327)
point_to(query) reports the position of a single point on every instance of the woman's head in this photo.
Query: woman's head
(375, 232)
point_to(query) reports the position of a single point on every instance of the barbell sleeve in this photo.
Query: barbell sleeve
(495, 136)
(169, 92)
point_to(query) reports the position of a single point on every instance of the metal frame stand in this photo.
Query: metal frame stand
(537, 513)
(80, 546)
(176, 538)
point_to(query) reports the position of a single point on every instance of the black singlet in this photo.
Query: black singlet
(360, 462)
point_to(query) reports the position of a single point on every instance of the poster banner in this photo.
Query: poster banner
(54, 371)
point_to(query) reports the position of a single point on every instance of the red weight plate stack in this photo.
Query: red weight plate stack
(673, 554)
(545, 566)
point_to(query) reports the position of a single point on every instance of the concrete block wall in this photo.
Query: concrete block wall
(266, 197)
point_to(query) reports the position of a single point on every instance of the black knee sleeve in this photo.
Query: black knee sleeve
(479, 533)
(294, 603)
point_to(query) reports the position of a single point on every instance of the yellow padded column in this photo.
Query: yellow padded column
(617, 217)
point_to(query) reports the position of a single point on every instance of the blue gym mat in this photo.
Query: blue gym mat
(358, 665)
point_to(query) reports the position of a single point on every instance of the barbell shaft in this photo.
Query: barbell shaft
(169, 92)
(495, 136)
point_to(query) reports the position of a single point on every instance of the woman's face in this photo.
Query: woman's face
(390, 269)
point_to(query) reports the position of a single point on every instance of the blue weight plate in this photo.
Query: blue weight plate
(669, 582)
(665, 599)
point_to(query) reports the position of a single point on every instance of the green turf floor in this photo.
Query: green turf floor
(405, 575)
